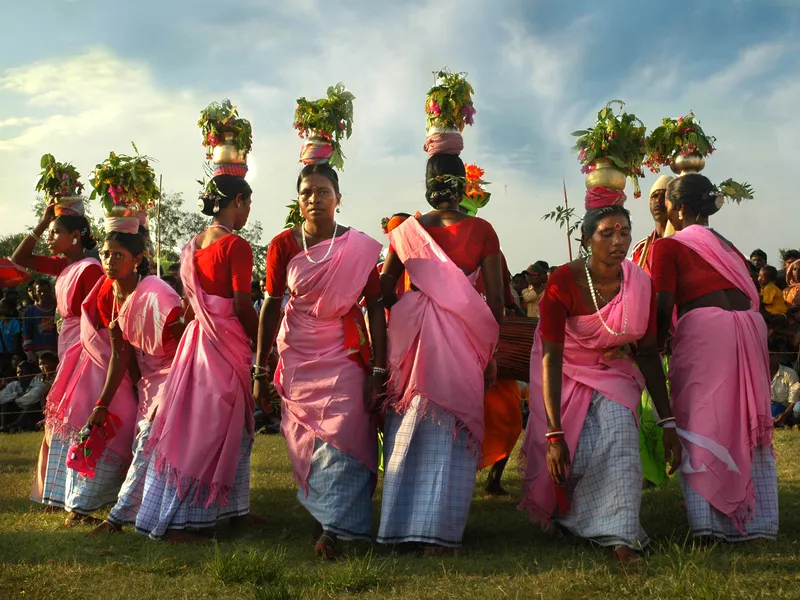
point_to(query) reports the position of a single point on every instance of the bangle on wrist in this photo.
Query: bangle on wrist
(664, 422)
(554, 433)
(34, 236)
(378, 371)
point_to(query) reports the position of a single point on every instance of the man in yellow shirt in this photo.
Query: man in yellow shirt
(771, 295)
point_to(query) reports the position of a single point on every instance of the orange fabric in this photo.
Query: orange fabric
(502, 417)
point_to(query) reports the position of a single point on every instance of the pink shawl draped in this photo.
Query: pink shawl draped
(321, 386)
(441, 334)
(66, 286)
(80, 381)
(207, 399)
(590, 363)
(720, 386)
(142, 320)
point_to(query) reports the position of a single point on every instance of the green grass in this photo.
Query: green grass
(504, 555)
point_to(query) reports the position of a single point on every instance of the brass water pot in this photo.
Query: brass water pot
(606, 175)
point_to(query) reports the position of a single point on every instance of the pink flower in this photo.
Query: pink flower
(433, 108)
(64, 176)
(212, 139)
(341, 125)
(469, 114)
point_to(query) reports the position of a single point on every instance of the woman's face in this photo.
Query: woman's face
(59, 240)
(611, 240)
(318, 198)
(794, 271)
(118, 261)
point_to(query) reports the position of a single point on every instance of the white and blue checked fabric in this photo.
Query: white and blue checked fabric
(85, 495)
(130, 495)
(55, 480)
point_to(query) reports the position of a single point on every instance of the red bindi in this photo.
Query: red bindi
(617, 226)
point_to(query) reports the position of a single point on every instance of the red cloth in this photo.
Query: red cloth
(225, 267)
(281, 250)
(600, 197)
(467, 242)
(105, 305)
(562, 299)
(53, 265)
(639, 249)
(682, 271)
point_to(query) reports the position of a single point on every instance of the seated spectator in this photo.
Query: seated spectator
(771, 295)
(10, 334)
(14, 391)
(785, 390)
(39, 333)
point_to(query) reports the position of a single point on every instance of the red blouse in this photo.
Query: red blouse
(679, 269)
(105, 308)
(53, 265)
(562, 298)
(225, 267)
(282, 249)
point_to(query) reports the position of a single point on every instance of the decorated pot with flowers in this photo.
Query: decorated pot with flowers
(612, 150)
(60, 184)
(448, 106)
(680, 143)
(125, 185)
(323, 124)
(226, 136)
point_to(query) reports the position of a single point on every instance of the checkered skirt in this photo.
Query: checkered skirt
(55, 480)
(705, 520)
(161, 509)
(429, 478)
(339, 493)
(85, 495)
(130, 495)
(605, 483)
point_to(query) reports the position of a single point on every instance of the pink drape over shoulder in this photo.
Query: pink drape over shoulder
(720, 386)
(142, 320)
(207, 400)
(66, 287)
(594, 359)
(441, 334)
(321, 385)
(80, 381)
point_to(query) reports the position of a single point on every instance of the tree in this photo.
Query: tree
(252, 234)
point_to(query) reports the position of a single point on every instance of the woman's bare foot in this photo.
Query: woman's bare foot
(439, 551)
(74, 519)
(626, 556)
(326, 546)
(183, 536)
(106, 527)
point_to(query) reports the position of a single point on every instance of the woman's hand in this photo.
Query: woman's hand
(376, 393)
(558, 461)
(673, 450)
(49, 213)
(490, 374)
(98, 417)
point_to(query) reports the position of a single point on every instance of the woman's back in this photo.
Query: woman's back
(465, 240)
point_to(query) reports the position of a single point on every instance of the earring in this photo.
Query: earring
(680, 215)
(216, 207)
(338, 210)
(74, 241)
(589, 251)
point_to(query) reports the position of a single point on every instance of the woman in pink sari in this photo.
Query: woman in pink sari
(202, 435)
(68, 237)
(442, 336)
(328, 379)
(719, 371)
(142, 314)
(597, 323)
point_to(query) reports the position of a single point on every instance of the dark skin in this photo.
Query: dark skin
(318, 200)
(491, 269)
(45, 301)
(682, 216)
(59, 241)
(658, 209)
(609, 246)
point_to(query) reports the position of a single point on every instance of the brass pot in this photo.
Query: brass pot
(691, 163)
(227, 153)
(122, 211)
(605, 174)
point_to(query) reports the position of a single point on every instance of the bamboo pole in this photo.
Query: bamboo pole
(566, 213)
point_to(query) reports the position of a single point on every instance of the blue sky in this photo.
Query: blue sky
(79, 78)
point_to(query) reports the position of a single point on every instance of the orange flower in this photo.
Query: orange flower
(474, 182)
(474, 173)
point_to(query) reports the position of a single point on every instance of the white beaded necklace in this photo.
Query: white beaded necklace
(328, 253)
(597, 308)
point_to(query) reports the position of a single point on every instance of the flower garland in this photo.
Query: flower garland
(219, 118)
(449, 102)
(127, 181)
(329, 118)
(677, 137)
(58, 180)
(619, 138)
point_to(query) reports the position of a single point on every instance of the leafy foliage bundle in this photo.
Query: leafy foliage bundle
(449, 102)
(677, 137)
(123, 180)
(223, 117)
(619, 138)
(330, 118)
(58, 180)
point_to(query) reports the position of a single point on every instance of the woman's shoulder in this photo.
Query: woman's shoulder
(283, 238)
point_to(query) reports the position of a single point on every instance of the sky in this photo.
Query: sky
(79, 78)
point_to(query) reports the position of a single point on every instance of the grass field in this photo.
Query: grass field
(504, 555)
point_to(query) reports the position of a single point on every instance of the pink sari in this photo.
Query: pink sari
(441, 334)
(80, 381)
(142, 320)
(321, 385)
(720, 386)
(591, 364)
(207, 400)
